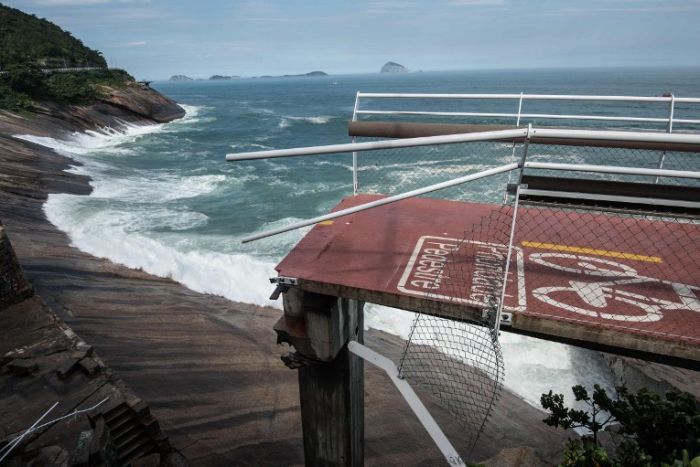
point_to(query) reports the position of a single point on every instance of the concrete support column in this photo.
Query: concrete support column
(331, 379)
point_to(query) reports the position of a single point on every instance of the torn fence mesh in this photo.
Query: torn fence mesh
(459, 360)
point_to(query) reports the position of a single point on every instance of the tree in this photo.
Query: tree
(655, 431)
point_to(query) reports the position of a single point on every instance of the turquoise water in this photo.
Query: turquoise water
(165, 200)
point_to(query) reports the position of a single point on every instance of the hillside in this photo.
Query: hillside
(26, 39)
(29, 46)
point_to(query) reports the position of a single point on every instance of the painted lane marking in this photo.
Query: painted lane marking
(603, 299)
(426, 270)
(591, 251)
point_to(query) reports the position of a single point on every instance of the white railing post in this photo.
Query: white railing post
(520, 109)
(670, 113)
(355, 182)
(669, 129)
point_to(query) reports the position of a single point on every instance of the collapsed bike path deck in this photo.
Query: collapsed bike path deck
(615, 283)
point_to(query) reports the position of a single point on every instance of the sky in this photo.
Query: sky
(154, 39)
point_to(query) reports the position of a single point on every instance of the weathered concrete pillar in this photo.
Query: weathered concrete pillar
(331, 379)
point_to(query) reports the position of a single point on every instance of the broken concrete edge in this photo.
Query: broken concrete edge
(58, 351)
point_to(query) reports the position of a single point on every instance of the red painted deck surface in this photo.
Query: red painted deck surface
(632, 276)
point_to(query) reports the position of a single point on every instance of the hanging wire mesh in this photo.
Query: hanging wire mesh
(459, 359)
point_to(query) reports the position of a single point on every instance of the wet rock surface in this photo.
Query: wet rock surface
(143, 101)
(42, 363)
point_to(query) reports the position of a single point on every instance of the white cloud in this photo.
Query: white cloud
(69, 2)
(84, 2)
(475, 2)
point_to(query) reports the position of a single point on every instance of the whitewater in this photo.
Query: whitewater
(164, 201)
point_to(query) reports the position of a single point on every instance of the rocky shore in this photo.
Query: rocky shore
(209, 368)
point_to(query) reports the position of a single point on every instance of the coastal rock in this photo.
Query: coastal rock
(142, 101)
(637, 374)
(180, 78)
(393, 67)
(14, 287)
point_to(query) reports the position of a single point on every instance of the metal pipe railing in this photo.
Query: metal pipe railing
(525, 133)
(377, 145)
(613, 170)
(528, 115)
(539, 133)
(668, 118)
(523, 115)
(611, 135)
(541, 97)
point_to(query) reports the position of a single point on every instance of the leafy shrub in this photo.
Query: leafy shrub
(22, 84)
(656, 431)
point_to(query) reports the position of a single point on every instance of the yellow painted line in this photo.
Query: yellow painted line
(326, 223)
(591, 251)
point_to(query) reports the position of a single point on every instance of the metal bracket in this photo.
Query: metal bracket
(506, 318)
(283, 284)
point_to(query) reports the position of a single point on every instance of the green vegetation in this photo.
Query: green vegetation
(26, 39)
(29, 45)
(21, 85)
(652, 430)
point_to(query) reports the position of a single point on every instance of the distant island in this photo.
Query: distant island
(180, 78)
(310, 74)
(393, 67)
(222, 77)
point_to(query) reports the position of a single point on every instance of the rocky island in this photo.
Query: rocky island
(393, 67)
(222, 77)
(311, 74)
(180, 78)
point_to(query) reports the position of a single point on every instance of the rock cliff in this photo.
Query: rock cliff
(142, 101)
(134, 104)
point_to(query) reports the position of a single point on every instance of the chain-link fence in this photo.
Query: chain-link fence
(620, 157)
(624, 270)
(394, 171)
(633, 268)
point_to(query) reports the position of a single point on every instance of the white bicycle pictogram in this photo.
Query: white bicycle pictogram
(598, 295)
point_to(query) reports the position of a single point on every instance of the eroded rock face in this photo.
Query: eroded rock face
(14, 287)
(143, 101)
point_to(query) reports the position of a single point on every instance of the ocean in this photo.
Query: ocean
(165, 201)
